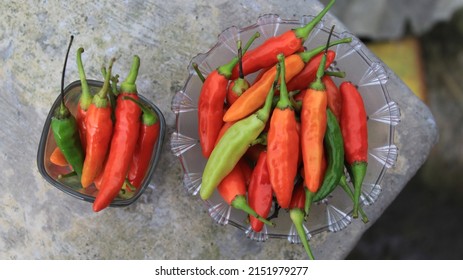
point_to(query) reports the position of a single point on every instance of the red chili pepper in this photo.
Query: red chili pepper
(253, 98)
(260, 193)
(232, 188)
(307, 75)
(297, 215)
(334, 97)
(283, 144)
(84, 101)
(246, 169)
(123, 142)
(355, 134)
(99, 127)
(147, 138)
(287, 43)
(211, 104)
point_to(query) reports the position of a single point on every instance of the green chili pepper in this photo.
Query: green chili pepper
(234, 144)
(334, 146)
(64, 127)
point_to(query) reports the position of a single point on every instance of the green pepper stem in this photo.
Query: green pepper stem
(198, 72)
(101, 98)
(318, 84)
(128, 85)
(240, 203)
(149, 117)
(347, 189)
(304, 31)
(284, 101)
(297, 216)
(85, 97)
(62, 111)
(226, 69)
(308, 201)
(358, 170)
(337, 74)
(264, 113)
(308, 55)
(262, 140)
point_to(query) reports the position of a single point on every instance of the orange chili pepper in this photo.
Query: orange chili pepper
(58, 158)
(99, 131)
(283, 144)
(313, 126)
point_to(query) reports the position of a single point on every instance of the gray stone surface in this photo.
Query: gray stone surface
(39, 222)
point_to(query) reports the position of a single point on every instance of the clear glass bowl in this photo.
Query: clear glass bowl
(362, 68)
(71, 185)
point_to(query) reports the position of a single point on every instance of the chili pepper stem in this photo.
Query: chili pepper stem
(198, 72)
(86, 97)
(128, 85)
(297, 216)
(349, 192)
(240, 203)
(284, 101)
(304, 31)
(226, 69)
(338, 74)
(308, 55)
(100, 99)
(358, 170)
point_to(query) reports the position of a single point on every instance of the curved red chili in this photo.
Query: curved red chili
(287, 43)
(260, 193)
(303, 79)
(232, 189)
(355, 133)
(147, 139)
(334, 97)
(123, 142)
(211, 104)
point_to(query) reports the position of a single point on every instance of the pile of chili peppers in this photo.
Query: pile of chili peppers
(108, 144)
(290, 137)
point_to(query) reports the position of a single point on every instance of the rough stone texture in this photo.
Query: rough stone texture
(39, 222)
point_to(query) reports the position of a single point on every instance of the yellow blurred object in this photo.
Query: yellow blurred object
(404, 58)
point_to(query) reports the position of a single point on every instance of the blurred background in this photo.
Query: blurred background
(422, 42)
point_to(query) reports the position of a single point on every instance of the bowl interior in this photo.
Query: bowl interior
(56, 175)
